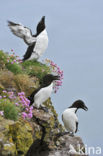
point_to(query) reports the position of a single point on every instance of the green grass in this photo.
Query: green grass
(9, 108)
(3, 59)
(34, 68)
(15, 68)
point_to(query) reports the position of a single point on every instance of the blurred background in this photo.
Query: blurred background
(75, 30)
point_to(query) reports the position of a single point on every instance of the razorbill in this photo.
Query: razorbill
(70, 118)
(37, 44)
(42, 93)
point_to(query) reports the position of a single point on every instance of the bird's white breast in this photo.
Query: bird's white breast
(41, 43)
(43, 95)
(70, 119)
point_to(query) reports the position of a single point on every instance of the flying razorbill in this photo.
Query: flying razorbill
(37, 44)
(42, 93)
(70, 118)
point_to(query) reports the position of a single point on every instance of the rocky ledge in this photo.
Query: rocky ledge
(38, 136)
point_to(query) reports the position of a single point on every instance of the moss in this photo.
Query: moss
(9, 149)
(25, 77)
(21, 133)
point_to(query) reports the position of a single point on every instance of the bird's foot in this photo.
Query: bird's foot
(45, 109)
(35, 107)
(71, 134)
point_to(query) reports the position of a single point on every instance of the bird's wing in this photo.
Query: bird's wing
(29, 51)
(31, 97)
(62, 117)
(22, 32)
(76, 127)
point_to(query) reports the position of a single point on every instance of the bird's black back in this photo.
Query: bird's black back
(31, 97)
(29, 51)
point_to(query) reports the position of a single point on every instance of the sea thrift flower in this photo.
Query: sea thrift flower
(4, 96)
(4, 91)
(56, 71)
(2, 113)
(11, 95)
(16, 104)
(25, 106)
(12, 58)
(30, 115)
(21, 102)
(24, 115)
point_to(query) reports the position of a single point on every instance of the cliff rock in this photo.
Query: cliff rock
(42, 135)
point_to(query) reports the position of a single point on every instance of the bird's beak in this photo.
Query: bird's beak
(57, 77)
(43, 18)
(85, 108)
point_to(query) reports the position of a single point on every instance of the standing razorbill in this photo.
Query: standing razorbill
(37, 44)
(42, 93)
(70, 118)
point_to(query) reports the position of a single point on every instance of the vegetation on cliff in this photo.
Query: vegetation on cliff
(20, 124)
(17, 80)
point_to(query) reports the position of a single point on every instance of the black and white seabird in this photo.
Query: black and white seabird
(70, 118)
(42, 93)
(37, 44)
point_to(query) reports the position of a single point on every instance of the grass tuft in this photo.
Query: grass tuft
(34, 68)
(10, 110)
(14, 68)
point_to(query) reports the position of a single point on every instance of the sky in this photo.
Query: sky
(75, 30)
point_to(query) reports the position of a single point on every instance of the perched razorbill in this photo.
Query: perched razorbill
(42, 93)
(70, 118)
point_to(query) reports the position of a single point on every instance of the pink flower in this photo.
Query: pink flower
(2, 113)
(21, 94)
(4, 96)
(16, 104)
(27, 109)
(4, 91)
(31, 108)
(14, 60)
(55, 70)
(24, 115)
(30, 115)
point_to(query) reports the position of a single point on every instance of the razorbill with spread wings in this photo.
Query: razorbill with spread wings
(37, 44)
(70, 118)
(42, 93)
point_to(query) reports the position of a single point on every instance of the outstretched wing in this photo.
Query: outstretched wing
(31, 97)
(29, 52)
(22, 32)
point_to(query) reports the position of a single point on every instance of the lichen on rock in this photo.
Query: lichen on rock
(24, 137)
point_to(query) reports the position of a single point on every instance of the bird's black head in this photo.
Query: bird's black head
(48, 79)
(41, 25)
(79, 104)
